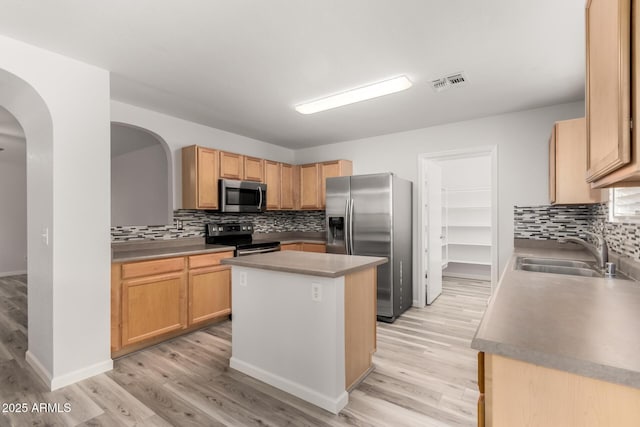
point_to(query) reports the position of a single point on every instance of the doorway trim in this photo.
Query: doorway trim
(492, 151)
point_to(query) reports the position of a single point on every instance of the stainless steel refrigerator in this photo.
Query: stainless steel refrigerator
(371, 215)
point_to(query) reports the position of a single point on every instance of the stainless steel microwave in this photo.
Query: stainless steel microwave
(242, 196)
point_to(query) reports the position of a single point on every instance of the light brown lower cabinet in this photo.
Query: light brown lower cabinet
(155, 300)
(152, 306)
(314, 247)
(518, 393)
(209, 293)
(481, 389)
(291, 247)
(305, 247)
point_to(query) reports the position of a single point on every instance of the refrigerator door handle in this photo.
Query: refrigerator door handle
(346, 227)
(351, 227)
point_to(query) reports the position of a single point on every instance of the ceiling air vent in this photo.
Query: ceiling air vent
(453, 80)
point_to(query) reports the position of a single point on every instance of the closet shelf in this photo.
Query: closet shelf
(469, 244)
(469, 262)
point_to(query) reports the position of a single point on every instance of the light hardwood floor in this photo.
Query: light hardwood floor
(425, 375)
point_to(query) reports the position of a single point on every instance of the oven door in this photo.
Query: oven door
(242, 196)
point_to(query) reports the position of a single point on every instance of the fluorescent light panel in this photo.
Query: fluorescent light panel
(363, 93)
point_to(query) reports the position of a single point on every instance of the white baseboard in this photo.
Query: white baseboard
(13, 273)
(60, 381)
(81, 374)
(333, 405)
(42, 372)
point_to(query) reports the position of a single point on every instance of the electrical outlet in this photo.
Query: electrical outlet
(316, 292)
(243, 278)
(45, 236)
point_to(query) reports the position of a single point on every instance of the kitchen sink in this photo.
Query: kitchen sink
(554, 262)
(561, 266)
(559, 269)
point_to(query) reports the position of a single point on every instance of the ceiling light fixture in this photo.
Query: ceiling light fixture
(363, 93)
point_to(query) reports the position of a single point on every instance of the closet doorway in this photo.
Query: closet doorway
(458, 219)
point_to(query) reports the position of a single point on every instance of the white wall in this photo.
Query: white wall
(469, 172)
(63, 107)
(284, 338)
(178, 133)
(139, 190)
(13, 206)
(521, 137)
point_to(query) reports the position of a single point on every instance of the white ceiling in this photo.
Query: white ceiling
(241, 65)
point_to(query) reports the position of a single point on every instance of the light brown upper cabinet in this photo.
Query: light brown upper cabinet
(608, 87)
(313, 181)
(310, 186)
(253, 169)
(629, 174)
(199, 178)
(272, 177)
(231, 165)
(237, 166)
(288, 187)
(567, 159)
(330, 170)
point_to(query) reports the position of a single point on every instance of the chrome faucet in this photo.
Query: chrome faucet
(601, 253)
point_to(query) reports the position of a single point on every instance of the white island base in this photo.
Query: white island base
(308, 335)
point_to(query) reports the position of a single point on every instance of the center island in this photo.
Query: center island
(305, 322)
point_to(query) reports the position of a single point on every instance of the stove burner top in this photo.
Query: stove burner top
(239, 235)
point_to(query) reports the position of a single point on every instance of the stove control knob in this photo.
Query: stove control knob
(244, 228)
(220, 228)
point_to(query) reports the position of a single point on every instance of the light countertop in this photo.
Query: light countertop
(584, 325)
(311, 263)
(147, 250)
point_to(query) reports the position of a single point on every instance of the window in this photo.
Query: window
(624, 204)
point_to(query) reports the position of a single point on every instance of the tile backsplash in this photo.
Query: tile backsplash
(553, 222)
(193, 224)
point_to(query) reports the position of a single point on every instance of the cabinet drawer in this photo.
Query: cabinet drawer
(314, 247)
(148, 268)
(291, 247)
(208, 260)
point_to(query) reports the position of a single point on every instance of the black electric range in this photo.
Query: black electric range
(238, 234)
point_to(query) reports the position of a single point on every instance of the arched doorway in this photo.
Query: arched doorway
(64, 113)
(141, 177)
(23, 102)
(13, 197)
